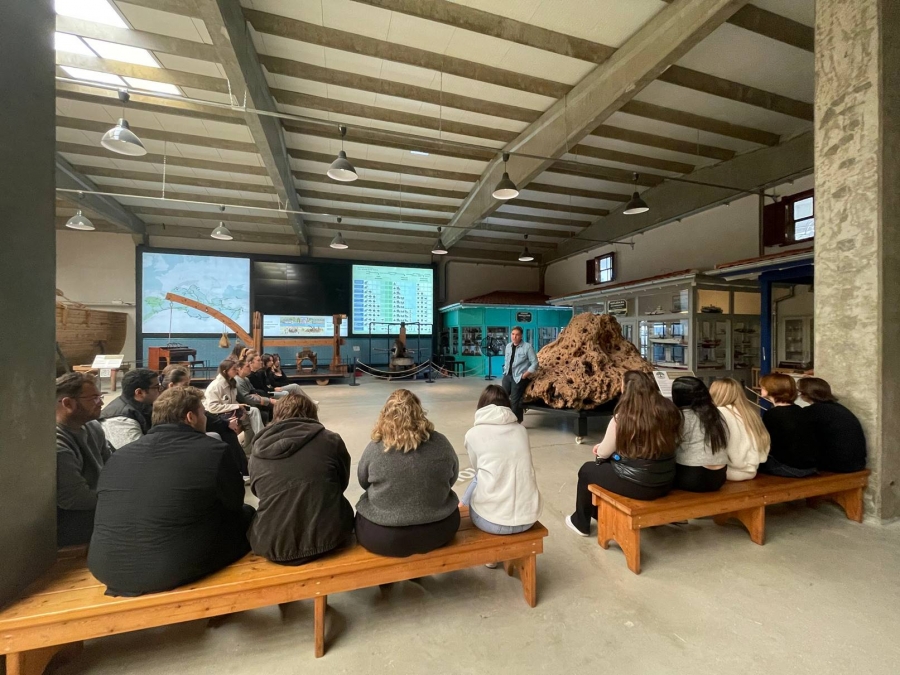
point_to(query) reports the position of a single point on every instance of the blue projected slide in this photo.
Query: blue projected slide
(222, 283)
(391, 295)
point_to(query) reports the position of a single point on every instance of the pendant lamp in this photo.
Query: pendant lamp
(505, 189)
(341, 169)
(439, 248)
(338, 241)
(121, 139)
(525, 256)
(222, 233)
(79, 222)
(635, 205)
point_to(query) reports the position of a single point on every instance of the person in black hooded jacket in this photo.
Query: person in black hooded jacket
(170, 506)
(299, 470)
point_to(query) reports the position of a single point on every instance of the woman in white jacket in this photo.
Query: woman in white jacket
(221, 399)
(503, 497)
(748, 440)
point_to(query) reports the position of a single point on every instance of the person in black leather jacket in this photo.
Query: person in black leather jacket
(636, 458)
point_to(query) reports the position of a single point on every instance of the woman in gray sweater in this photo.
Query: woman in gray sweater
(701, 457)
(408, 472)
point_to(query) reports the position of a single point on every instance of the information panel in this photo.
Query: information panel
(388, 295)
(294, 326)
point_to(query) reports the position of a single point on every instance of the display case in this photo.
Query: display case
(497, 337)
(795, 349)
(665, 343)
(547, 335)
(454, 340)
(745, 343)
(471, 340)
(686, 321)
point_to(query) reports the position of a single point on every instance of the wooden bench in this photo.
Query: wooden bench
(622, 519)
(67, 605)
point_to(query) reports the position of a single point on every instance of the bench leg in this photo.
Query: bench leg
(613, 525)
(754, 519)
(849, 500)
(35, 661)
(321, 605)
(527, 568)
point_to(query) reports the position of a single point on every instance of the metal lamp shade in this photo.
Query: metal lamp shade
(505, 189)
(222, 233)
(341, 169)
(635, 206)
(123, 140)
(79, 222)
(338, 242)
(525, 256)
(439, 248)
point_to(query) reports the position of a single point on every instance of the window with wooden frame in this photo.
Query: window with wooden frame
(602, 269)
(790, 220)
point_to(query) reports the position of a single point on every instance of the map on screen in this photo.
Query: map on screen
(220, 282)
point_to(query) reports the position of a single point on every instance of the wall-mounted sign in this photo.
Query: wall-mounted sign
(523, 317)
(617, 307)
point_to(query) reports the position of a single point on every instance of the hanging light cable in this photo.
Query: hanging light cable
(525, 256)
(341, 169)
(121, 138)
(505, 189)
(439, 248)
(635, 205)
(338, 241)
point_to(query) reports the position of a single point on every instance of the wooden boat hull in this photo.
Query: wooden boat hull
(83, 333)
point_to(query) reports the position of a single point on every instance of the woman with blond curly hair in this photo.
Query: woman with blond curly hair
(408, 472)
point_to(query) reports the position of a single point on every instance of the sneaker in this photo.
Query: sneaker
(492, 566)
(574, 529)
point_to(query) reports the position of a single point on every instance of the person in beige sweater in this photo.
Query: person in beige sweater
(748, 440)
(222, 399)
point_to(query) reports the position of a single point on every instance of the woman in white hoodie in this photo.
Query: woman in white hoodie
(748, 440)
(222, 399)
(503, 497)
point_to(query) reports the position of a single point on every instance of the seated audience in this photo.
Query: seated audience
(701, 458)
(408, 472)
(793, 452)
(748, 440)
(127, 418)
(250, 395)
(278, 377)
(237, 352)
(281, 386)
(299, 470)
(81, 451)
(636, 458)
(503, 497)
(840, 444)
(170, 506)
(222, 400)
(224, 428)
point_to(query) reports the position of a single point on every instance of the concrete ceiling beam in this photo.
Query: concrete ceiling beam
(606, 90)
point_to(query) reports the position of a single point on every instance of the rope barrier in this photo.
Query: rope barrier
(395, 373)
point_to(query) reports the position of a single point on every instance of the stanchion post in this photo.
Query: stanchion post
(430, 379)
(353, 382)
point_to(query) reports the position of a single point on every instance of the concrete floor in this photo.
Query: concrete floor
(822, 596)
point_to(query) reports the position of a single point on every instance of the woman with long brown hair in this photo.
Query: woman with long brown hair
(636, 458)
(408, 472)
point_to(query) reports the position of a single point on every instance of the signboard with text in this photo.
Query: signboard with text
(617, 307)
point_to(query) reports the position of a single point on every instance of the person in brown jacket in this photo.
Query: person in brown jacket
(299, 470)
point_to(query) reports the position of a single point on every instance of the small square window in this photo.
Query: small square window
(605, 268)
(804, 229)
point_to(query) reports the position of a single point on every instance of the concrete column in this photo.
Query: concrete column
(27, 297)
(857, 287)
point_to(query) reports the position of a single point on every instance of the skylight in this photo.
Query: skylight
(150, 85)
(93, 76)
(71, 43)
(117, 52)
(98, 11)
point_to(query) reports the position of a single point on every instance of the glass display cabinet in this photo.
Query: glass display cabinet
(687, 321)
(471, 340)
